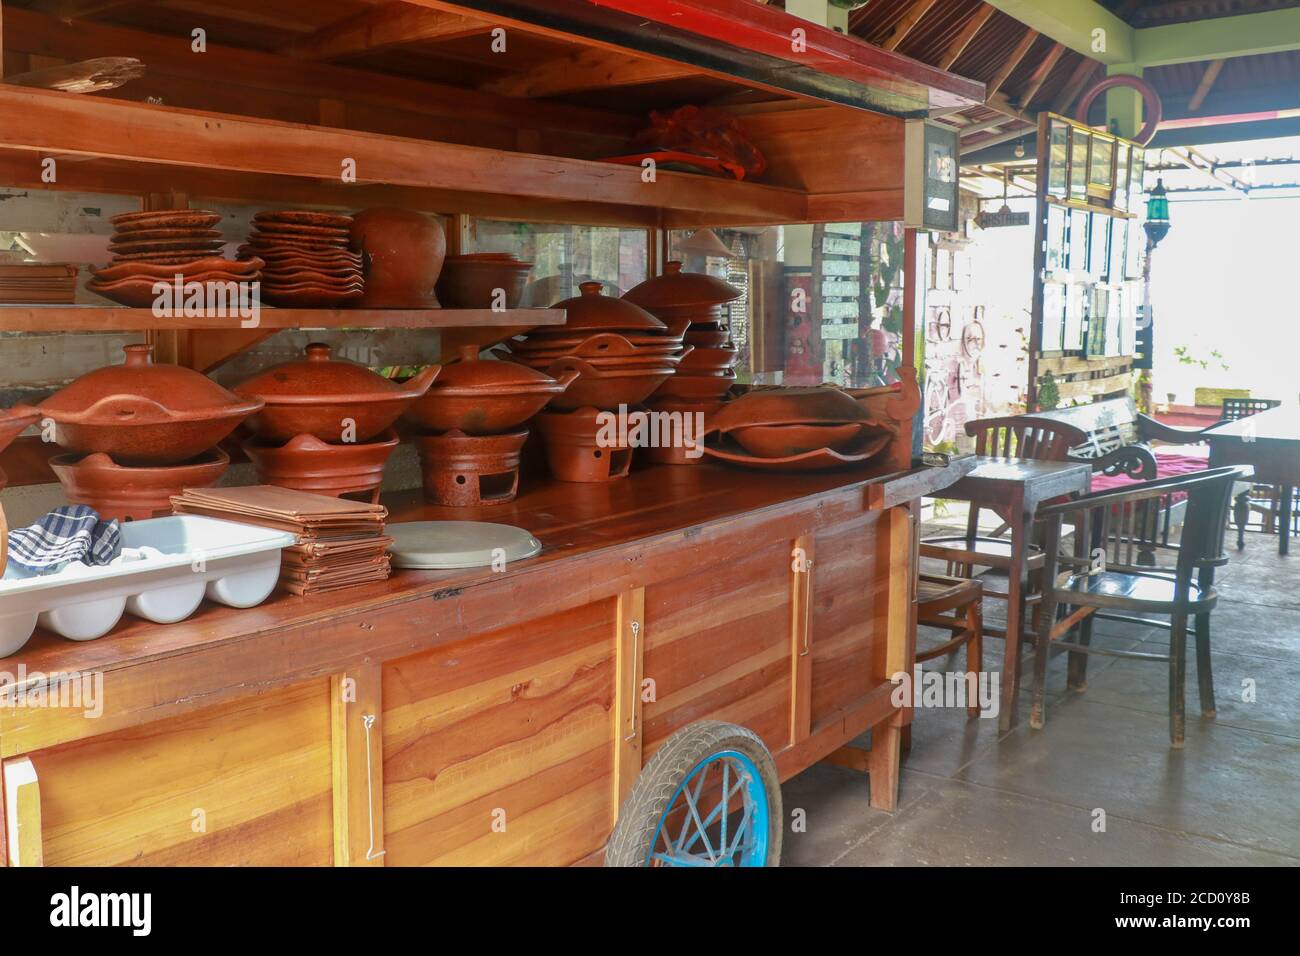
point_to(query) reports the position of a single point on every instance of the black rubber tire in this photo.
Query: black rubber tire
(639, 817)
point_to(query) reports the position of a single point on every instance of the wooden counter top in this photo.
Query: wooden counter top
(571, 520)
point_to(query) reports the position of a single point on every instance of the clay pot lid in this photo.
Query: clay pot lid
(676, 289)
(815, 405)
(317, 378)
(469, 372)
(592, 309)
(153, 393)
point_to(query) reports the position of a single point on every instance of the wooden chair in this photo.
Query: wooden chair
(953, 605)
(1262, 499)
(1106, 578)
(990, 555)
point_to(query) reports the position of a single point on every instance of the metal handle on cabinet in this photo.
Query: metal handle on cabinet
(368, 721)
(807, 607)
(636, 688)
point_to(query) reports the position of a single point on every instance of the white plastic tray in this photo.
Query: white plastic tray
(193, 557)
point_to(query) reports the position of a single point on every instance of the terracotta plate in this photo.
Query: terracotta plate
(822, 459)
(148, 235)
(276, 229)
(305, 217)
(165, 245)
(166, 219)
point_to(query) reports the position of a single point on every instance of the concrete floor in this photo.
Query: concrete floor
(970, 796)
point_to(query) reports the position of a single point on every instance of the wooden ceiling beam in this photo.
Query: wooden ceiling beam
(585, 69)
(1212, 70)
(86, 76)
(1083, 72)
(910, 18)
(1040, 75)
(389, 25)
(964, 37)
(1012, 61)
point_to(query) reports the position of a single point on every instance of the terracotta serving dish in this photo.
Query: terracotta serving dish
(709, 338)
(605, 388)
(305, 463)
(574, 449)
(145, 414)
(703, 359)
(783, 441)
(479, 397)
(471, 281)
(132, 494)
(698, 387)
(403, 253)
(466, 470)
(822, 459)
(820, 404)
(679, 293)
(213, 265)
(333, 400)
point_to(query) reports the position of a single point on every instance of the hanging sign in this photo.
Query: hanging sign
(1003, 217)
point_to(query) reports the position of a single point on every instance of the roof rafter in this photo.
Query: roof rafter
(387, 25)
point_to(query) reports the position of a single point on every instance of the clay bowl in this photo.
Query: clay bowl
(709, 360)
(14, 421)
(319, 396)
(574, 449)
(305, 463)
(462, 470)
(783, 441)
(824, 405)
(708, 338)
(487, 409)
(471, 282)
(403, 252)
(606, 388)
(145, 414)
(696, 387)
(130, 494)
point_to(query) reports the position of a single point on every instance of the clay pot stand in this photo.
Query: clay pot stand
(306, 463)
(464, 471)
(573, 451)
(130, 493)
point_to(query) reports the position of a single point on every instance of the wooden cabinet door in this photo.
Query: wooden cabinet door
(243, 783)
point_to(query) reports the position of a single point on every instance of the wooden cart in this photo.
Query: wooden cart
(482, 716)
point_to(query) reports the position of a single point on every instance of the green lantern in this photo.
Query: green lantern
(1157, 224)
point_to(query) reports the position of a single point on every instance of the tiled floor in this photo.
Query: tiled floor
(971, 796)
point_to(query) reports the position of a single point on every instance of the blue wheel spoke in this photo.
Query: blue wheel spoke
(699, 833)
(713, 814)
(733, 842)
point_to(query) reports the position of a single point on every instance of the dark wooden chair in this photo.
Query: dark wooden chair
(1106, 578)
(1262, 499)
(953, 605)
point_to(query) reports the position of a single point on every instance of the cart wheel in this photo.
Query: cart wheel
(676, 814)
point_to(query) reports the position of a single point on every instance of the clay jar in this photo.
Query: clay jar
(331, 399)
(471, 281)
(133, 494)
(144, 414)
(402, 254)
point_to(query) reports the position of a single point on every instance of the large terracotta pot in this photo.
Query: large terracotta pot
(332, 399)
(403, 252)
(144, 414)
(133, 494)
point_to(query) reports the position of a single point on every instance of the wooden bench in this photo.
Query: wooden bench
(1118, 436)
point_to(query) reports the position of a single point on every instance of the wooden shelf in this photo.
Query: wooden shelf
(89, 318)
(175, 142)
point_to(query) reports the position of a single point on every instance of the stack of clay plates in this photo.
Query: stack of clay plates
(31, 283)
(340, 543)
(152, 247)
(308, 262)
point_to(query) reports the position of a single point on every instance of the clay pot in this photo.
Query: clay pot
(606, 388)
(681, 293)
(696, 387)
(471, 281)
(783, 441)
(678, 454)
(591, 310)
(708, 338)
(462, 471)
(709, 360)
(144, 414)
(133, 494)
(824, 405)
(305, 463)
(480, 397)
(319, 396)
(574, 450)
(14, 421)
(403, 252)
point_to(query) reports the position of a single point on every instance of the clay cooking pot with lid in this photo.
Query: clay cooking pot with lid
(332, 399)
(481, 397)
(14, 421)
(592, 310)
(678, 292)
(140, 413)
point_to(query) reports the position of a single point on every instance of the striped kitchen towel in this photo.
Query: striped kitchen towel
(67, 535)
